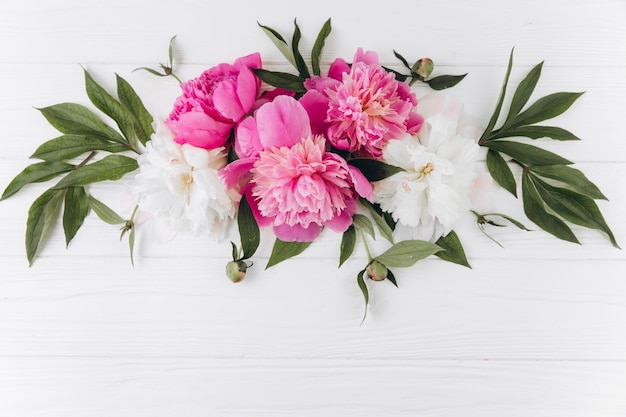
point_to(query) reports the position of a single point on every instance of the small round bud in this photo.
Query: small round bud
(376, 271)
(423, 67)
(236, 270)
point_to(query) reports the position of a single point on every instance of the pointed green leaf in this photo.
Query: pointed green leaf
(131, 245)
(384, 228)
(501, 172)
(142, 120)
(392, 278)
(444, 81)
(496, 113)
(151, 71)
(574, 207)
(516, 223)
(363, 223)
(366, 295)
(295, 43)
(373, 169)
(111, 107)
(280, 43)
(399, 76)
(281, 80)
(318, 46)
(535, 210)
(406, 253)
(527, 154)
(103, 211)
(75, 119)
(235, 251)
(403, 60)
(248, 229)
(523, 92)
(75, 210)
(546, 108)
(170, 50)
(535, 132)
(285, 250)
(112, 167)
(70, 146)
(574, 179)
(348, 242)
(452, 249)
(41, 215)
(39, 172)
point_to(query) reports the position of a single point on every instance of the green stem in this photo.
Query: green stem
(367, 249)
(176, 78)
(89, 157)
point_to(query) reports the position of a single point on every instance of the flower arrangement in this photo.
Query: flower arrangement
(351, 149)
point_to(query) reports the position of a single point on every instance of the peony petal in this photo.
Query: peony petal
(261, 220)
(361, 184)
(251, 61)
(341, 222)
(247, 89)
(414, 123)
(237, 173)
(226, 100)
(283, 122)
(337, 68)
(200, 130)
(247, 143)
(367, 57)
(298, 233)
(316, 105)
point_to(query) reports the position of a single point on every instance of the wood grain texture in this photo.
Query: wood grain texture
(535, 329)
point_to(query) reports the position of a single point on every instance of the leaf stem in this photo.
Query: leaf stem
(367, 249)
(89, 157)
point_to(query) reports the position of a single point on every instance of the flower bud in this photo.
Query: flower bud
(423, 67)
(376, 271)
(236, 270)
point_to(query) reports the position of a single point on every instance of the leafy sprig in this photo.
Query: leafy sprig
(84, 132)
(553, 193)
(421, 71)
(168, 69)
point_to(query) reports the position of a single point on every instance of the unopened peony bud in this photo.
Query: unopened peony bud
(423, 67)
(376, 271)
(236, 270)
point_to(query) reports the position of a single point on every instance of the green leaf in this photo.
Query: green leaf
(70, 146)
(399, 76)
(131, 245)
(516, 223)
(362, 222)
(496, 113)
(403, 60)
(110, 106)
(285, 250)
(75, 119)
(527, 154)
(406, 253)
(535, 132)
(151, 71)
(501, 172)
(392, 278)
(452, 249)
(104, 212)
(537, 213)
(373, 169)
(248, 229)
(281, 80)
(318, 46)
(546, 108)
(295, 42)
(574, 179)
(75, 211)
(444, 81)
(383, 226)
(112, 167)
(142, 120)
(235, 251)
(39, 172)
(523, 92)
(280, 43)
(366, 295)
(348, 242)
(574, 207)
(41, 215)
(170, 51)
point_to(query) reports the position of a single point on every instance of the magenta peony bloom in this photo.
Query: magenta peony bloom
(211, 104)
(361, 107)
(291, 182)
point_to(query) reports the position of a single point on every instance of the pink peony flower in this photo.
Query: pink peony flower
(290, 181)
(211, 104)
(361, 107)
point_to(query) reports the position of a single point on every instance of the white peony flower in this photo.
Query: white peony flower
(431, 195)
(180, 187)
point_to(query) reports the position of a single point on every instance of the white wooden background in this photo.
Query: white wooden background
(536, 329)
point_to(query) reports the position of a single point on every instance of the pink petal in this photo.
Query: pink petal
(251, 61)
(341, 222)
(297, 233)
(337, 68)
(247, 88)
(226, 100)
(200, 130)
(316, 105)
(320, 83)
(414, 123)
(261, 220)
(283, 122)
(237, 173)
(247, 143)
(368, 57)
(361, 184)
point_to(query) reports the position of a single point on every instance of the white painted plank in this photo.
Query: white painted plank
(51, 387)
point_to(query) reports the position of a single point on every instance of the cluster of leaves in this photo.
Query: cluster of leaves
(421, 71)
(553, 192)
(168, 69)
(84, 132)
